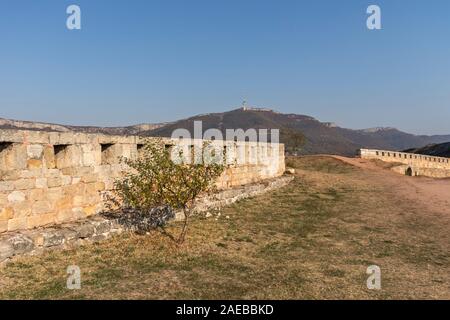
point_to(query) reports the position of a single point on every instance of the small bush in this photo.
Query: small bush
(155, 186)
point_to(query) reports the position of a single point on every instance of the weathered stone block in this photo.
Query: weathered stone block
(36, 195)
(35, 151)
(89, 178)
(6, 175)
(54, 182)
(54, 194)
(63, 203)
(24, 184)
(6, 213)
(21, 209)
(53, 238)
(39, 207)
(74, 189)
(40, 220)
(66, 180)
(90, 210)
(98, 238)
(17, 224)
(49, 157)
(41, 183)
(64, 215)
(85, 230)
(6, 186)
(16, 196)
(21, 244)
(34, 164)
(6, 250)
(31, 173)
(52, 173)
(102, 226)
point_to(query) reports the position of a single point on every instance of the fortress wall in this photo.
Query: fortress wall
(420, 165)
(54, 177)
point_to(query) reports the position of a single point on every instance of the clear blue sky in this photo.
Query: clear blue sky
(151, 61)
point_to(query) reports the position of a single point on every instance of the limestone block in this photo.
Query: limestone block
(54, 182)
(49, 157)
(16, 157)
(78, 201)
(64, 215)
(40, 207)
(90, 210)
(6, 175)
(24, 184)
(41, 183)
(66, 180)
(53, 238)
(74, 189)
(81, 138)
(54, 194)
(84, 230)
(35, 137)
(35, 151)
(89, 178)
(34, 164)
(6, 213)
(22, 209)
(68, 156)
(52, 173)
(82, 171)
(6, 186)
(21, 244)
(78, 213)
(64, 203)
(16, 196)
(92, 188)
(31, 173)
(11, 136)
(17, 224)
(89, 155)
(40, 220)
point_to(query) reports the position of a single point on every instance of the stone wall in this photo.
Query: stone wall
(98, 227)
(411, 163)
(50, 178)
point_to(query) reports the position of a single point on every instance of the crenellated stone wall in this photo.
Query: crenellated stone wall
(51, 178)
(411, 163)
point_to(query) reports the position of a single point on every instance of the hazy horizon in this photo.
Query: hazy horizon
(161, 61)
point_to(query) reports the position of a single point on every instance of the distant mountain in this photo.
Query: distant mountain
(438, 150)
(318, 137)
(300, 133)
(30, 125)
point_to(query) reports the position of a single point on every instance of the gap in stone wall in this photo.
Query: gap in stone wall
(4, 146)
(107, 154)
(61, 155)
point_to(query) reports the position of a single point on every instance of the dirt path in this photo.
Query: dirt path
(432, 193)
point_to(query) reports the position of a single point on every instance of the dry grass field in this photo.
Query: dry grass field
(312, 239)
